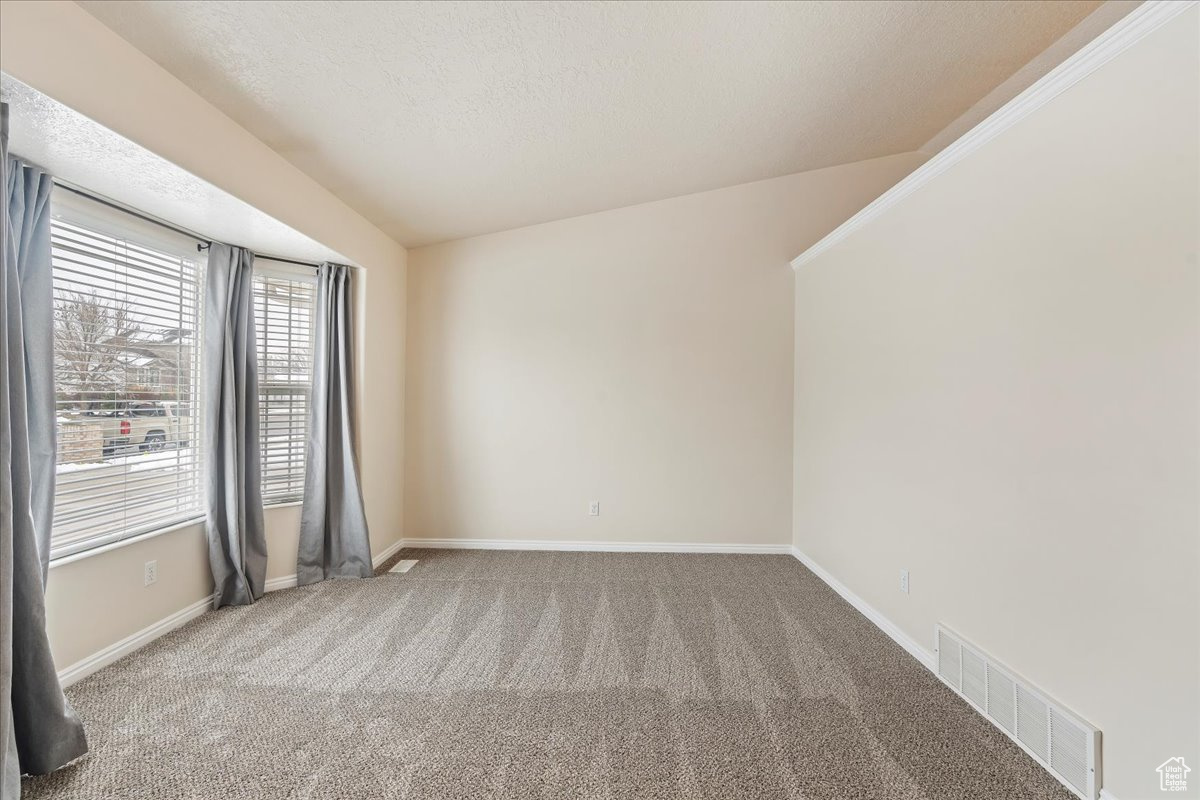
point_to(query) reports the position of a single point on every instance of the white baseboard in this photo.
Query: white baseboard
(595, 547)
(289, 581)
(84, 667)
(883, 623)
(1105, 794)
(387, 552)
(282, 582)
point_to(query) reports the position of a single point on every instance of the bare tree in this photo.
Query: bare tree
(91, 344)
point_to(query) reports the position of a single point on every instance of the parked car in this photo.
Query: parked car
(143, 427)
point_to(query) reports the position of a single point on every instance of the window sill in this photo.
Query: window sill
(109, 546)
(141, 537)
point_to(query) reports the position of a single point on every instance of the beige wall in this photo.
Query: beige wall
(62, 51)
(94, 602)
(380, 373)
(996, 389)
(641, 357)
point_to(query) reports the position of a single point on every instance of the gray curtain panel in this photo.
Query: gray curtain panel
(333, 525)
(39, 731)
(237, 541)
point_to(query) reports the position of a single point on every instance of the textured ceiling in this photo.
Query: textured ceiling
(439, 120)
(85, 153)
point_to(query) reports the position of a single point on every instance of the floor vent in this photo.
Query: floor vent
(404, 565)
(1059, 740)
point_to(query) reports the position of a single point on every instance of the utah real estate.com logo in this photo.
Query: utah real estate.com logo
(1172, 775)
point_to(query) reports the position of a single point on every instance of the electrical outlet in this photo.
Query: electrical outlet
(151, 573)
(594, 508)
(904, 581)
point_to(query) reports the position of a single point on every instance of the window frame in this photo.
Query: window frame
(272, 270)
(100, 221)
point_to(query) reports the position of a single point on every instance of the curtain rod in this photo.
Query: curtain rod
(203, 242)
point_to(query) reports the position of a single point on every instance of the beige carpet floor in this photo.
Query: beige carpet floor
(486, 674)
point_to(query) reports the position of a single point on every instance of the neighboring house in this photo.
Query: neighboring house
(158, 365)
(104, 358)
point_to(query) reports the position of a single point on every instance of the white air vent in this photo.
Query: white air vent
(404, 565)
(1059, 740)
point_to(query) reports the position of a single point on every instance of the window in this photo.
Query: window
(283, 316)
(126, 357)
(127, 342)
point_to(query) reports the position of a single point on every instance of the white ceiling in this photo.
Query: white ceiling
(440, 120)
(83, 152)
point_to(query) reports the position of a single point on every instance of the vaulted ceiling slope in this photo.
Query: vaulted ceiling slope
(441, 120)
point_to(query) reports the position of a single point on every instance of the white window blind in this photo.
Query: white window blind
(126, 352)
(283, 316)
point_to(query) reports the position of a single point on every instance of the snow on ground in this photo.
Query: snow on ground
(136, 462)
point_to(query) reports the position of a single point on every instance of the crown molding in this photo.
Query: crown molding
(1132, 28)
